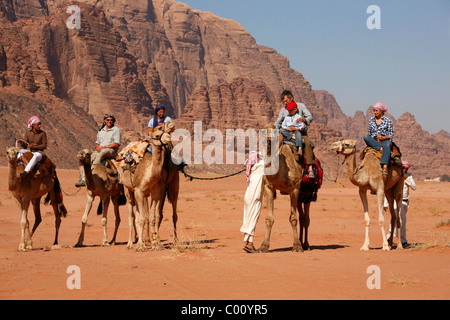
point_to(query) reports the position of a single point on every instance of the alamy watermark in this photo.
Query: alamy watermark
(74, 21)
(229, 149)
(374, 21)
(374, 281)
(74, 280)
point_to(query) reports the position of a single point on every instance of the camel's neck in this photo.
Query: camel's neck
(351, 168)
(12, 175)
(88, 175)
(157, 161)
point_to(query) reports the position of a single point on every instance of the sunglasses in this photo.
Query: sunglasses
(109, 120)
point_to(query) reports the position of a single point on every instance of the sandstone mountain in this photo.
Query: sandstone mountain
(131, 55)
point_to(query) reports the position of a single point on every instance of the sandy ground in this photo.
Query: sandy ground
(214, 266)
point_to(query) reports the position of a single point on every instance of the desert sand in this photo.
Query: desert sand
(213, 265)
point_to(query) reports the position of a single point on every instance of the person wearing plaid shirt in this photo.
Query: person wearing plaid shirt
(380, 130)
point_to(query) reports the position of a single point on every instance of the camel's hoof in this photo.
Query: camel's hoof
(130, 245)
(297, 248)
(386, 248)
(105, 244)
(263, 249)
(140, 247)
(79, 245)
(364, 248)
(22, 248)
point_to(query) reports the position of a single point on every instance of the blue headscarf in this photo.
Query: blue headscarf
(155, 119)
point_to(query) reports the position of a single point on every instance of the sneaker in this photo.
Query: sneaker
(80, 184)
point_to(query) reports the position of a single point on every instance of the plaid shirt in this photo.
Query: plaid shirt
(385, 128)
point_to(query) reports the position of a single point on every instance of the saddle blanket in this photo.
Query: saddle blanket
(133, 153)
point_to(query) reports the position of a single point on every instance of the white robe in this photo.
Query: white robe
(252, 199)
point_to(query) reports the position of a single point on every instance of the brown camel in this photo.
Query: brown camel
(154, 178)
(30, 190)
(368, 176)
(287, 180)
(101, 182)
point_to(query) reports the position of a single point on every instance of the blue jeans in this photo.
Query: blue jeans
(288, 135)
(387, 147)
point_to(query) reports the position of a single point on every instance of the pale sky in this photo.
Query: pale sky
(405, 64)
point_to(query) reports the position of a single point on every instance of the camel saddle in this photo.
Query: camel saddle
(111, 167)
(131, 155)
(44, 168)
(395, 154)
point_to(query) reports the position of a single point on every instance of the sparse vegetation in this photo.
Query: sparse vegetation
(399, 281)
(443, 223)
(445, 178)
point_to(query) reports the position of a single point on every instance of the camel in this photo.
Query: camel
(100, 182)
(287, 180)
(30, 190)
(368, 176)
(154, 178)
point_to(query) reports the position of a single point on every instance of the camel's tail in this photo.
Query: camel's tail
(58, 198)
(100, 208)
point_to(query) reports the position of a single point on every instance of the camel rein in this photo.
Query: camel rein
(190, 177)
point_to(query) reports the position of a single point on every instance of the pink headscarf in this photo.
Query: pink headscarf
(380, 106)
(33, 120)
(406, 164)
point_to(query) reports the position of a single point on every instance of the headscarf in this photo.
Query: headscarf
(33, 120)
(406, 164)
(380, 106)
(253, 158)
(155, 119)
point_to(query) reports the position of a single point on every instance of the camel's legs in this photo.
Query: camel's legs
(117, 216)
(398, 191)
(173, 194)
(380, 198)
(106, 200)
(146, 231)
(156, 202)
(131, 218)
(25, 242)
(293, 219)
(392, 196)
(265, 245)
(37, 214)
(89, 200)
(363, 196)
(304, 224)
(141, 216)
(57, 223)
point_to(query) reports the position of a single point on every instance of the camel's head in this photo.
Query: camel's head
(11, 153)
(85, 156)
(161, 135)
(345, 147)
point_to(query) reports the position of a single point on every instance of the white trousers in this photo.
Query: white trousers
(37, 156)
(252, 201)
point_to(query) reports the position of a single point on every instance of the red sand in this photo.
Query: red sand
(210, 213)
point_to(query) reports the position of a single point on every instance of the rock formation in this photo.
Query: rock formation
(131, 55)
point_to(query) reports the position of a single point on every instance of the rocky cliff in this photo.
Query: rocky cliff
(131, 55)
